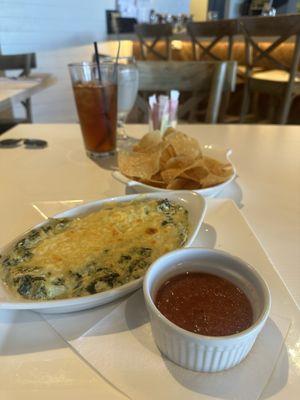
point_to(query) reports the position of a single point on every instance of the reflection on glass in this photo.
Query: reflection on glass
(128, 82)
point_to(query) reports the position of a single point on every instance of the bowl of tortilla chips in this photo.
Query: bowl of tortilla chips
(174, 161)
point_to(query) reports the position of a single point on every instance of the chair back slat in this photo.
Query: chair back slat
(150, 35)
(24, 62)
(153, 30)
(282, 28)
(200, 32)
(213, 28)
(271, 26)
(179, 75)
(210, 78)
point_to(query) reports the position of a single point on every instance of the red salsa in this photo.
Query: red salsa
(204, 303)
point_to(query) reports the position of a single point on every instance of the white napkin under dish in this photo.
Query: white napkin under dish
(121, 347)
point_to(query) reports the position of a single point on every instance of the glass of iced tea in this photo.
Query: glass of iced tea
(96, 102)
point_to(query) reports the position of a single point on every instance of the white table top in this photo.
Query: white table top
(266, 191)
(14, 90)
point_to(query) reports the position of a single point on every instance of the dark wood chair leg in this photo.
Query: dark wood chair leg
(285, 108)
(245, 102)
(28, 110)
(215, 97)
(224, 106)
(271, 109)
(254, 105)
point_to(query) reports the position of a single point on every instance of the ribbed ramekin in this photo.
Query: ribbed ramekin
(198, 352)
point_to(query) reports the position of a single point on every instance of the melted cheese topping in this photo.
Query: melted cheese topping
(116, 229)
(104, 249)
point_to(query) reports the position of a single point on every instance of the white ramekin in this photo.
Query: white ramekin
(197, 352)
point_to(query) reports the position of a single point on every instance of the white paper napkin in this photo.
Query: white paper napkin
(122, 349)
(73, 325)
(116, 340)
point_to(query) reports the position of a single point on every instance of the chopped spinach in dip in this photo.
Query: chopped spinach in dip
(96, 252)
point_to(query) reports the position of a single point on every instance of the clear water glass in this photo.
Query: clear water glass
(128, 84)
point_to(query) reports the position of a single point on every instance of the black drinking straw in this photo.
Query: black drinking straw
(105, 104)
(118, 52)
(97, 60)
(117, 62)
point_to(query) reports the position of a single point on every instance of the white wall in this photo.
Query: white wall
(52, 29)
(199, 9)
(171, 6)
(56, 104)
(38, 25)
(60, 32)
(232, 8)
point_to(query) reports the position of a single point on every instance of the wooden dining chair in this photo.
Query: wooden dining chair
(200, 78)
(23, 63)
(279, 80)
(205, 36)
(150, 36)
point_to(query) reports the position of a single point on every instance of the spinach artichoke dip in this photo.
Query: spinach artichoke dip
(74, 257)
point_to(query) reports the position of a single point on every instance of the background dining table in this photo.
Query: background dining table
(14, 90)
(266, 191)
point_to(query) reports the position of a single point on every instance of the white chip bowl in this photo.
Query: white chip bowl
(193, 202)
(219, 153)
(191, 350)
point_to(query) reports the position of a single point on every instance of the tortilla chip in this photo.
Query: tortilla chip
(155, 180)
(148, 142)
(173, 161)
(179, 162)
(212, 180)
(183, 145)
(139, 165)
(168, 131)
(157, 177)
(196, 174)
(166, 153)
(218, 168)
(170, 174)
(182, 183)
(151, 182)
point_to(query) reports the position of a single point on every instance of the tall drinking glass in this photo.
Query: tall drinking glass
(96, 102)
(128, 84)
